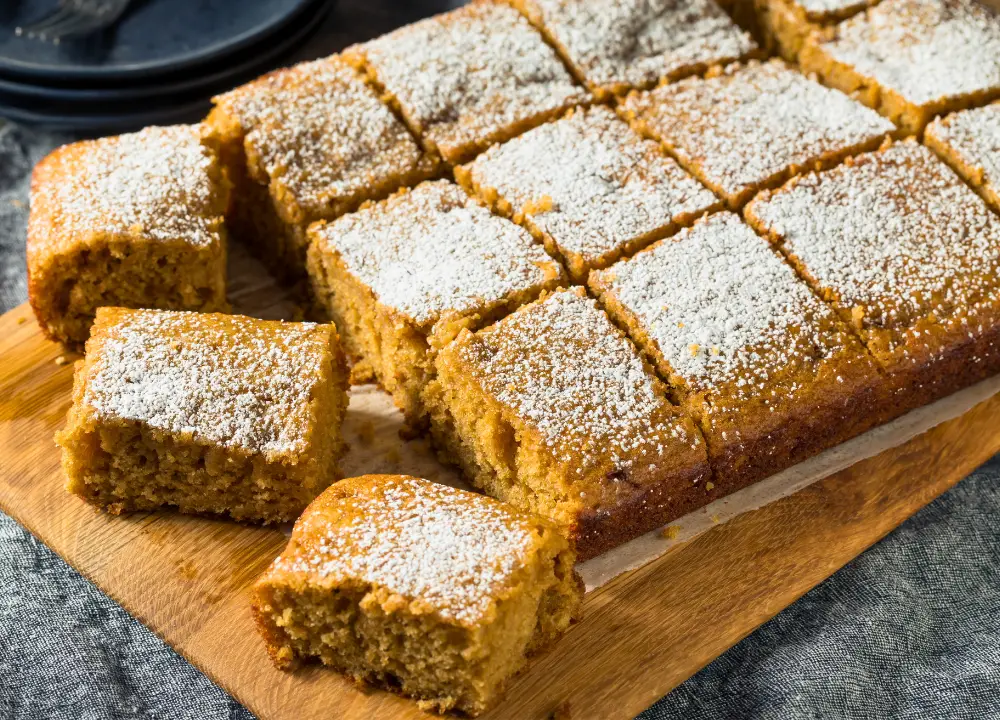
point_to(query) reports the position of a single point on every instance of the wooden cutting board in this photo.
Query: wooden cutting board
(642, 634)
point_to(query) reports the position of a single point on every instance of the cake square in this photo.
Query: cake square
(969, 141)
(401, 277)
(588, 187)
(751, 127)
(785, 24)
(907, 254)
(307, 143)
(912, 59)
(769, 370)
(208, 413)
(554, 411)
(133, 220)
(469, 78)
(613, 46)
(433, 592)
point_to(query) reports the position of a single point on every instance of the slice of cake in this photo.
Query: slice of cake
(912, 59)
(588, 187)
(466, 79)
(908, 254)
(969, 141)
(553, 410)
(614, 45)
(307, 143)
(208, 413)
(751, 127)
(134, 220)
(786, 24)
(426, 590)
(401, 277)
(769, 370)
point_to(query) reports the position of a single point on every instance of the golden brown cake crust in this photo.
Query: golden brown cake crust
(766, 367)
(206, 412)
(908, 255)
(401, 277)
(133, 220)
(306, 143)
(553, 410)
(485, 583)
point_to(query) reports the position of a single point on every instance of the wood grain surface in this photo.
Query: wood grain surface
(642, 634)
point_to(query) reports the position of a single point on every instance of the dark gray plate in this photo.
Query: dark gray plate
(156, 37)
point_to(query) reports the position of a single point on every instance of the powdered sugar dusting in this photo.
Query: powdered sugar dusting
(451, 549)
(321, 132)
(155, 182)
(230, 380)
(895, 233)
(607, 185)
(470, 75)
(926, 50)
(434, 250)
(572, 376)
(821, 9)
(721, 307)
(749, 124)
(973, 135)
(637, 42)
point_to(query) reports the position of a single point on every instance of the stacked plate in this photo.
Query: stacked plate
(159, 64)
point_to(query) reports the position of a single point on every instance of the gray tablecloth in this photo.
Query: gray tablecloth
(911, 629)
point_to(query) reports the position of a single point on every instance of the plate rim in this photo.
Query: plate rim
(12, 68)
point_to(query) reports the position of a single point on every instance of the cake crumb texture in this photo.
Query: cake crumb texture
(434, 592)
(553, 410)
(210, 413)
(132, 220)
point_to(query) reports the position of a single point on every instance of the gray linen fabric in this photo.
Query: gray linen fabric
(911, 629)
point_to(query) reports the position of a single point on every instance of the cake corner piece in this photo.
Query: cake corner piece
(207, 413)
(440, 594)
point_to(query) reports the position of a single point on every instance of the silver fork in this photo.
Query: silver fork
(74, 18)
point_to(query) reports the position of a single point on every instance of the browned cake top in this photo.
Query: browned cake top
(751, 122)
(590, 182)
(894, 234)
(448, 551)
(159, 184)
(570, 375)
(467, 75)
(974, 136)
(722, 309)
(226, 379)
(434, 250)
(321, 132)
(926, 50)
(637, 42)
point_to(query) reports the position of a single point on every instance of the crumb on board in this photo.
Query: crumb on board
(61, 360)
(23, 319)
(709, 486)
(366, 432)
(563, 711)
(671, 532)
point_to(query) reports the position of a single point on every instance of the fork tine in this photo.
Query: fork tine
(74, 24)
(42, 25)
